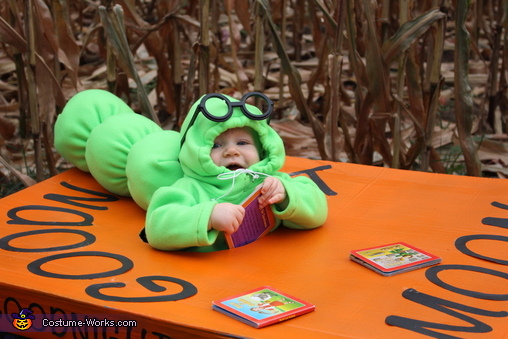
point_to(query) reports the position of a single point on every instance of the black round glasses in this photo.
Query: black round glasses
(224, 111)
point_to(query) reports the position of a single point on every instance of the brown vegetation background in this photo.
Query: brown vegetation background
(417, 85)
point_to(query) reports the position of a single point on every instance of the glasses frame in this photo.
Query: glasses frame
(230, 105)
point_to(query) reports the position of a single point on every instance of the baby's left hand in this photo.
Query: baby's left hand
(272, 192)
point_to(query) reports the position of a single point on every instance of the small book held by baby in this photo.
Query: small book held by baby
(262, 306)
(256, 222)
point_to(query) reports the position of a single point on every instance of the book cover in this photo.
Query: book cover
(256, 222)
(262, 306)
(393, 258)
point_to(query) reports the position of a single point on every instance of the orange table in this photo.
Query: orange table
(69, 250)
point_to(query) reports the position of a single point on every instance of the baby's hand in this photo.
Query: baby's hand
(226, 217)
(272, 192)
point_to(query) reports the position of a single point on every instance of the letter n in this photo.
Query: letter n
(445, 306)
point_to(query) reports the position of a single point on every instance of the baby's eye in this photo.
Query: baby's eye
(215, 145)
(243, 142)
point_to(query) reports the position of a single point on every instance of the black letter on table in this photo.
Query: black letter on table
(445, 306)
(313, 175)
(4, 242)
(498, 222)
(148, 283)
(74, 200)
(35, 266)
(17, 220)
(432, 272)
(461, 242)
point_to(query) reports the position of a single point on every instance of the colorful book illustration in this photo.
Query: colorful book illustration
(393, 258)
(256, 222)
(262, 307)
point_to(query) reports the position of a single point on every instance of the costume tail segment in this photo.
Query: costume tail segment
(125, 152)
(85, 111)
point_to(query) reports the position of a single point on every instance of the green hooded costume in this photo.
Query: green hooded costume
(179, 186)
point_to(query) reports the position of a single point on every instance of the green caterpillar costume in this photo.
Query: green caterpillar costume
(171, 175)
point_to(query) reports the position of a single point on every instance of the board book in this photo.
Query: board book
(262, 306)
(393, 258)
(256, 222)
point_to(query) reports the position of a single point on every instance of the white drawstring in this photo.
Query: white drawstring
(232, 175)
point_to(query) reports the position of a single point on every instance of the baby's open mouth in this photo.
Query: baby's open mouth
(234, 167)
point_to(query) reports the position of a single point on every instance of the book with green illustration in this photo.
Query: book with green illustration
(393, 258)
(262, 306)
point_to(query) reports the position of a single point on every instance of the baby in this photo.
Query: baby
(227, 150)
(236, 149)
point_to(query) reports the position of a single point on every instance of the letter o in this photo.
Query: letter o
(461, 242)
(431, 274)
(4, 242)
(35, 266)
(15, 220)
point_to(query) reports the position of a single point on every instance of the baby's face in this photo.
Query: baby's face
(235, 148)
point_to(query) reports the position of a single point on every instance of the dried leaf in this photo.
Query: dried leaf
(243, 11)
(10, 36)
(298, 139)
(115, 30)
(25, 179)
(7, 128)
(464, 106)
(494, 148)
(69, 50)
(377, 70)
(408, 33)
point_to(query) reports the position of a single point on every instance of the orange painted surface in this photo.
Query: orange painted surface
(368, 206)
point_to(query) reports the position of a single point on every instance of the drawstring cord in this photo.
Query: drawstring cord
(232, 175)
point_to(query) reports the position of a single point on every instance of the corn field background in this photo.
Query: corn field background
(416, 85)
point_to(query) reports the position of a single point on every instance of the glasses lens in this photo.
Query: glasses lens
(216, 107)
(260, 101)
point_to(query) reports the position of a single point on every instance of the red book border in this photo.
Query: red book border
(396, 268)
(307, 307)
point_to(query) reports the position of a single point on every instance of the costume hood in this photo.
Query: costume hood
(195, 151)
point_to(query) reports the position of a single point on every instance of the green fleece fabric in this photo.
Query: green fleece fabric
(81, 115)
(109, 145)
(130, 155)
(127, 153)
(178, 215)
(153, 163)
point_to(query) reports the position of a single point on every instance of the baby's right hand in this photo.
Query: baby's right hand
(226, 217)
